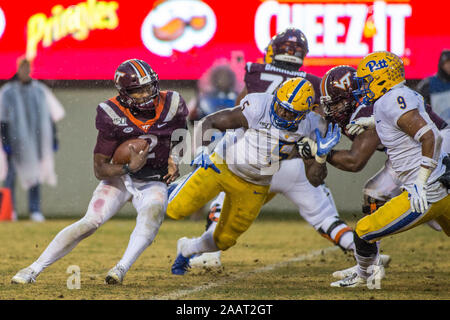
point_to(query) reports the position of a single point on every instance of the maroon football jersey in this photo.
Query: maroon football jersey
(116, 124)
(266, 78)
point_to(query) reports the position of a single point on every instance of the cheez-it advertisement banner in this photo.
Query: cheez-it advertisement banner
(76, 39)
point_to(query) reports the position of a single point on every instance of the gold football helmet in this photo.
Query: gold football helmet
(376, 74)
(291, 102)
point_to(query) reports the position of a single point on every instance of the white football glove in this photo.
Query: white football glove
(307, 148)
(358, 126)
(418, 194)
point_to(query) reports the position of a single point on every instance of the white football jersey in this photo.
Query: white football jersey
(403, 151)
(255, 154)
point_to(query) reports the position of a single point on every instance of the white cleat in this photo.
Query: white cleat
(355, 280)
(207, 259)
(115, 275)
(342, 274)
(351, 281)
(24, 276)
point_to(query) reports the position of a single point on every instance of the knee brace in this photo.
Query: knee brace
(371, 204)
(340, 228)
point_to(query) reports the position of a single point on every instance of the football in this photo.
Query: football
(122, 153)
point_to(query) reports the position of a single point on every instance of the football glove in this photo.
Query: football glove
(358, 126)
(418, 194)
(307, 148)
(325, 144)
(202, 160)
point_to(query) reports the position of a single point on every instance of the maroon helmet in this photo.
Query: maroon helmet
(288, 47)
(133, 76)
(337, 86)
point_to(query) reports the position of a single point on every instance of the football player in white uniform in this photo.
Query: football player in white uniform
(273, 124)
(413, 145)
(283, 59)
(338, 105)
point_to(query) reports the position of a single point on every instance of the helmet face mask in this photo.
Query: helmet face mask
(138, 85)
(291, 102)
(288, 48)
(363, 93)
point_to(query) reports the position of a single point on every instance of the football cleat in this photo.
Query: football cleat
(181, 264)
(342, 274)
(352, 281)
(207, 259)
(24, 276)
(355, 280)
(115, 275)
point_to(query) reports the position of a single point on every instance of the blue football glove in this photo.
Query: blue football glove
(325, 144)
(203, 160)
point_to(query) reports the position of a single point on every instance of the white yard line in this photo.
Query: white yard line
(184, 292)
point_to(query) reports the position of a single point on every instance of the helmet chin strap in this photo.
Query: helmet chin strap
(286, 65)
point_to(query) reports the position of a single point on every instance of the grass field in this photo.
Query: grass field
(273, 260)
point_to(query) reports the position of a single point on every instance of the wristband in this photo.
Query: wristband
(422, 175)
(320, 160)
(126, 168)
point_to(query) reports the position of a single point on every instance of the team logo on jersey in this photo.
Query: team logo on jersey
(128, 129)
(376, 65)
(178, 25)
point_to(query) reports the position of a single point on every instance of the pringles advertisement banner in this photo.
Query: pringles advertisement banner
(76, 39)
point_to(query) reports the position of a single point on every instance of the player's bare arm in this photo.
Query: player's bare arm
(220, 120)
(315, 172)
(411, 122)
(104, 169)
(241, 95)
(355, 159)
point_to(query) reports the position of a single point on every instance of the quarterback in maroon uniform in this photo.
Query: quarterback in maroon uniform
(141, 110)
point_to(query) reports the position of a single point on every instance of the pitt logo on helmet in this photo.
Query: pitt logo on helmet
(374, 65)
(376, 74)
(291, 102)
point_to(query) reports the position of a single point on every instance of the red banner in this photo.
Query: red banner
(76, 39)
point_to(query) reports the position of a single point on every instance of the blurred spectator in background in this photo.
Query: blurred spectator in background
(28, 113)
(436, 89)
(216, 91)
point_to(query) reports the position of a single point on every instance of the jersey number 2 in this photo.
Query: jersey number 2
(153, 140)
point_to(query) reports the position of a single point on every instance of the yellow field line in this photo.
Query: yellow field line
(184, 292)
